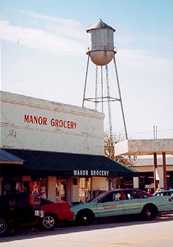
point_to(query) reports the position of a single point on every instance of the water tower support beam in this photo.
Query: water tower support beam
(102, 86)
(121, 103)
(96, 88)
(86, 76)
(109, 104)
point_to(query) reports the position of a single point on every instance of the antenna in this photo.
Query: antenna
(155, 132)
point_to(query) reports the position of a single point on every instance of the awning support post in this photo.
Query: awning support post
(155, 172)
(164, 170)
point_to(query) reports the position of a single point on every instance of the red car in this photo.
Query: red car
(55, 212)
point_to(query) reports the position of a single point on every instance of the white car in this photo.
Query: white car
(122, 202)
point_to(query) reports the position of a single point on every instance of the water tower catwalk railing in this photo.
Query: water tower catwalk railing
(101, 54)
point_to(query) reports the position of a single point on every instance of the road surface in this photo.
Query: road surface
(158, 233)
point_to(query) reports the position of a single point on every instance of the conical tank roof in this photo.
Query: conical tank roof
(99, 25)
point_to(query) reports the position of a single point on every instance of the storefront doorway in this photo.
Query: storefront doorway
(84, 189)
(61, 189)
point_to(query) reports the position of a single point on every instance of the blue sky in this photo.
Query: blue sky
(43, 45)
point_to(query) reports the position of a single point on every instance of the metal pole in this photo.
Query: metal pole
(96, 88)
(155, 132)
(121, 103)
(155, 170)
(154, 136)
(109, 105)
(110, 141)
(86, 76)
(102, 86)
(164, 170)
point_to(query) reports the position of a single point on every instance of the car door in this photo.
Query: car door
(135, 200)
(22, 211)
(110, 205)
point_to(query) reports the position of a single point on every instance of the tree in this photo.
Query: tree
(109, 149)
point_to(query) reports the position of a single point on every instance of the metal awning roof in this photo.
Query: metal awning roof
(8, 158)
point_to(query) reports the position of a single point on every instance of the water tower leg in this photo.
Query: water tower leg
(111, 142)
(109, 104)
(96, 88)
(102, 86)
(86, 76)
(121, 103)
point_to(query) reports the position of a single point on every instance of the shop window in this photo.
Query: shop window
(13, 185)
(38, 190)
(20, 187)
(61, 191)
(84, 189)
(7, 187)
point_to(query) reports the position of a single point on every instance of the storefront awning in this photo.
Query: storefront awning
(8, 158)
(68, 164)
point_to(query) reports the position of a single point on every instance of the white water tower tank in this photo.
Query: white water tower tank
(102, 43)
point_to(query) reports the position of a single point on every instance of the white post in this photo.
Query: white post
(136, 182)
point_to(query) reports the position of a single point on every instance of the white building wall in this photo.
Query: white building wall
(145, 146)
(28, 123)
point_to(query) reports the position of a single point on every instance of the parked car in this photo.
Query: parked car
(164, 193)
(54, 212)
(15, 210)
(121, 202)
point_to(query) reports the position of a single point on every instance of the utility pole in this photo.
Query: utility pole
(155, 137)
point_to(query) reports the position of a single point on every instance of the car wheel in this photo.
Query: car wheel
(149, 212)
(48, 222)
(3, 227)
(85, 217)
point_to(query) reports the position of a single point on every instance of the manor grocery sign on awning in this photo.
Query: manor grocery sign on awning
(66, 164)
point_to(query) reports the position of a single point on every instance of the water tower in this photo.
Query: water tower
(102, 53)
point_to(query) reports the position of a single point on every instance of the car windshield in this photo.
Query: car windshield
(45, 201)
(163, 193)
(97, 198)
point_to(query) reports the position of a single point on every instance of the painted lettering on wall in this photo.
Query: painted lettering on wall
(53, 122)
